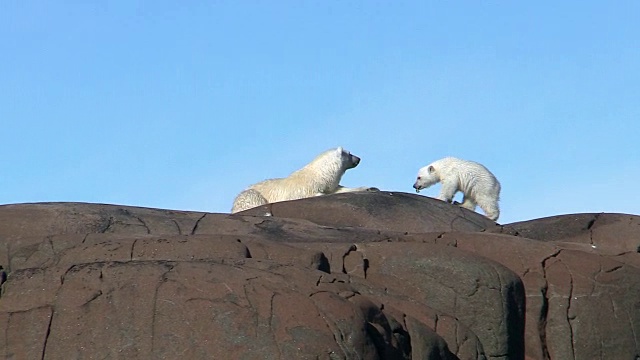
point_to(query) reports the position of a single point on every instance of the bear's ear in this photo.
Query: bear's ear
(431, 169)
(339, 150)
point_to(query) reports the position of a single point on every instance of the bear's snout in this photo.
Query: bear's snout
(355, 160)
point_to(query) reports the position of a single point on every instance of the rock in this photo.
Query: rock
(572, 295)
(385, 211)
(372, 275)
(616, 232)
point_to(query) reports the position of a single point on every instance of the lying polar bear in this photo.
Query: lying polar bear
(320, 177)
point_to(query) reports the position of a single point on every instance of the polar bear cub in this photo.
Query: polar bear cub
(476, 182)
(320, 177)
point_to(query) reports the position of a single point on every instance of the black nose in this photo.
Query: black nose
(356, 160)
(415, 186)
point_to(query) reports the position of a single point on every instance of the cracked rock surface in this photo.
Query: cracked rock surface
(372, 275)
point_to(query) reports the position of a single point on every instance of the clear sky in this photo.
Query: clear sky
(182, 104)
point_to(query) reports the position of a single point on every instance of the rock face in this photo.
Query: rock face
(372, 275)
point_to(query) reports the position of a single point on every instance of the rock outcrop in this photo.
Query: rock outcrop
(372, 275)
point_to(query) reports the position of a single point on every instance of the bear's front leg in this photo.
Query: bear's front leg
(342, 189)
(466, 203)
(447, 192)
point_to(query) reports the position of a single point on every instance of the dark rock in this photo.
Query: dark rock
(573, 295)
(371, 275)
(616, 232)
(385, 211)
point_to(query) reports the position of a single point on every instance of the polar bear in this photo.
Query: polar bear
(476, 182)
(320, 177)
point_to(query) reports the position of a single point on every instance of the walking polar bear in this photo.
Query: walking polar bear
(476, 182)
(320, 177)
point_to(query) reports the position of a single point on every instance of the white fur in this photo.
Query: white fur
(320, 177)
(476, 182)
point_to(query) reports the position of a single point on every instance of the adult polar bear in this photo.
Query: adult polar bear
(476, 182)
(320, 177)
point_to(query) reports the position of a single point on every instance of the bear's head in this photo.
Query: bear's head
(349, 161)
(427, 176)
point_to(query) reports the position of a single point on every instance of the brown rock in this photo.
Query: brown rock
(363, 275)
(385, 211)
(452, 283)
(616, 232)
(572, 295)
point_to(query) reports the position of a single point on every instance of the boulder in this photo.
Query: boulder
(372, 275)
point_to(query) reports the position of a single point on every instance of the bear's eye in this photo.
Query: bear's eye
(419, 177)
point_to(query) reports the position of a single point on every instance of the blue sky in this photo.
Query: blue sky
(181, 105)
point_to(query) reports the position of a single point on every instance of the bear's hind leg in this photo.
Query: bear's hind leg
(248, 199)
(490, 208)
